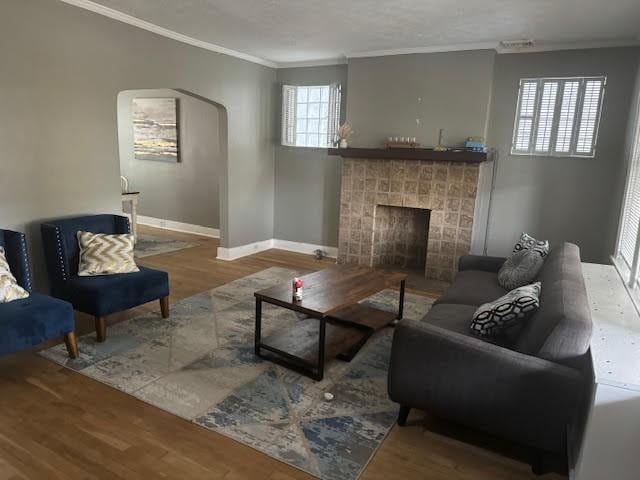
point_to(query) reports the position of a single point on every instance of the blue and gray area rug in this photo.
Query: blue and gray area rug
(148, 245)
(199, 365)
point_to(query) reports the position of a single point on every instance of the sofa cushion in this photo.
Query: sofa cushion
(30, 321)
(520, 269)
(513, 308)
(473, 287)
(108, 294)
(456, 318)
(527, 242)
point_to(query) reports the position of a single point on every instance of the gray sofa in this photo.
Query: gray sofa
(524, 386)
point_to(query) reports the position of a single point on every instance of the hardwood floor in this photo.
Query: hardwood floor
(57, 424)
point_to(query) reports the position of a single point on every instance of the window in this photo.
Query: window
(627, 255)
(558, 116)
(310, 115)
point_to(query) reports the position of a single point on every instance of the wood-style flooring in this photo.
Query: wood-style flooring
(57, 424)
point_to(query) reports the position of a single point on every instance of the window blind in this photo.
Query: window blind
(630, 221)
(558, 116)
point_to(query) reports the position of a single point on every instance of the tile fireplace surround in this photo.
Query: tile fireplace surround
(448, 189)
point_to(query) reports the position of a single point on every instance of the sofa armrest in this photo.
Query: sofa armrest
(497, 390)
(480, 262)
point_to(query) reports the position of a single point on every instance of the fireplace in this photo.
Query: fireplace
(400, 237)
(445, 189)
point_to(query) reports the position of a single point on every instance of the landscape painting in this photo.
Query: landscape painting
(155, 129)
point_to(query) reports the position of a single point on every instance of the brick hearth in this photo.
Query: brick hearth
(448, 189)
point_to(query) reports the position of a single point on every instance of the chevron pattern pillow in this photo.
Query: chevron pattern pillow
(105, 254)
(494, 317)
(9, 288)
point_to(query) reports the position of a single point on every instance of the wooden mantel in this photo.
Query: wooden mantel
(426, 154)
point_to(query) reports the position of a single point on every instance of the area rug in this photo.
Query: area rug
(148, 245)
(199, 364)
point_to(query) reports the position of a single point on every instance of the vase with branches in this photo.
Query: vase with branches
(344, 132)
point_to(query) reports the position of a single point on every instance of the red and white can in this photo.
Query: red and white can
(297, 288)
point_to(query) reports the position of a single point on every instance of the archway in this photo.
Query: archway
(187, 193)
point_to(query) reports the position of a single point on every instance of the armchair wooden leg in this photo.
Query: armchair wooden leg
(101, 329)
(164, 307)
(72, 344)
(402, 415)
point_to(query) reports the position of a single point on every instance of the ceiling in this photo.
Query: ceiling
(281, 32)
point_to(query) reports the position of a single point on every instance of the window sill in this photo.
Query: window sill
(547, 155)
(616, 327)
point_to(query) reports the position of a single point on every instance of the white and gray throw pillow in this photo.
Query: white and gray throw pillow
(516, 306)
(9, 288)
(105, 254)
(521, 268)
(527, 242)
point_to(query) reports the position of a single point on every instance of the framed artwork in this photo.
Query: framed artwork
(155, 129)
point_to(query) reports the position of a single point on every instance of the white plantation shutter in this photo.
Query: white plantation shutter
(288, 115)
(335, 99)
(567, 117)
(558, 116)
(546, 115)
(591, 102)
(310, 115)
(526, 110)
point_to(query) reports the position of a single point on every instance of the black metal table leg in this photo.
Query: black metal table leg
(258, 332)
(321, 345)
(401, 302)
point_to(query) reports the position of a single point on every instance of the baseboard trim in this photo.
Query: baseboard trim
(301, 247)
(234, 253)
(178, 226)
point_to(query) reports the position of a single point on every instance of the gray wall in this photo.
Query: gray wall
(186, 191)
(62, 69)
(307, 180)
(444, 90)
(554, 197)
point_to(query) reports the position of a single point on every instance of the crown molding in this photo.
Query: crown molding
(314, 63)
(541, 47)
(584, 45)
(433, 49)
(136, 22)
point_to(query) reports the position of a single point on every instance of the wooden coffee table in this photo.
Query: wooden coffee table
(338, 326)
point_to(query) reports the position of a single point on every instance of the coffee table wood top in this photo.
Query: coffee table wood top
(333, 289)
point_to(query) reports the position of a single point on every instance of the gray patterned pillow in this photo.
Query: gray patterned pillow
(527, 242)
(521, 268)
(516, 306)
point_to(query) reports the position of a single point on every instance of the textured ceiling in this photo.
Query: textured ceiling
(304, 30)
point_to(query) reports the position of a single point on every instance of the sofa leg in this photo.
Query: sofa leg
(72, 344)
(537, 463)
(164, 307)
(101, 329)
(402, 415)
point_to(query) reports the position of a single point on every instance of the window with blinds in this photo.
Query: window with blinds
(558, 116)
(310, 115)
(627, 257)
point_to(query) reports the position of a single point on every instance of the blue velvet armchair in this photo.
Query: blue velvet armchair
(27, 322)
(101, 295)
